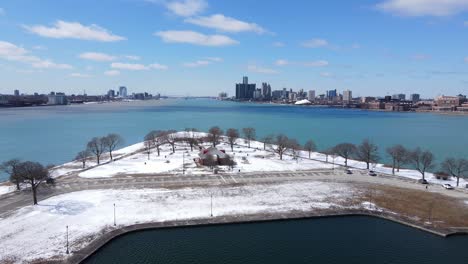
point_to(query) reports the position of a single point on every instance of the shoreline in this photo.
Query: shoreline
(86, 252)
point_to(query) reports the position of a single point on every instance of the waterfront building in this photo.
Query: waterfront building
(292, 96)
(311, 96)
(347, 96)
(57, 99)
(401, 97)
(446, 103)
(331, 95)
(266, 91)
(415, 98)
(257, 94)
(111, 93)
(244, 90)
(17, 93)
(123, 91)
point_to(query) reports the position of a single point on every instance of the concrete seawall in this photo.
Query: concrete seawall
(82, 254)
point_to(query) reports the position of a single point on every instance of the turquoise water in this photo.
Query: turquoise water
(54, 134)
(353, 240)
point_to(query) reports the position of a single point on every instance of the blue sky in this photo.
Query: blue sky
(198, 47)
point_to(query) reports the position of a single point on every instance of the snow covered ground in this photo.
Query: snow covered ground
(39, 231)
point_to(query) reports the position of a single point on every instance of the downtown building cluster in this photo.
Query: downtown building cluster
(246, 91)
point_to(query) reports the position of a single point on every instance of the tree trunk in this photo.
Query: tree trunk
(281, 155)
(458, 181)
(98, 160)
(173, 148)
(264, 146)
(148, 155)
(398, 166)
(346, 162)
(84, 164)
(309, 154)
(18, 185)
(191, 147)
(158, 150)
(249, 143)
(232, 146)
(110, 153)
(34, 192)
(393, 167)
(367, 163)
(423, 175)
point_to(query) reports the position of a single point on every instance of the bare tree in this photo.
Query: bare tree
(345, 150)
(456, 167)
(155, 138)
(97, 147)
(422, 160)
(11, 168)
(191, 137)
(170, 137)
(267, 140)
(281, 145)
(111, 142)
(215, 134)
(83, 156)
(148, 145)
(399, 156)
(249, 134)
(294, 147)
(310, 146)
(232, 135)
(33, 173)
(367, 152)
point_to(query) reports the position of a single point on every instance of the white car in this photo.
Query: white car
(448, 186)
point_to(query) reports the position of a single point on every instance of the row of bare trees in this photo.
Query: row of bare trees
(26, 172)
(97, 146)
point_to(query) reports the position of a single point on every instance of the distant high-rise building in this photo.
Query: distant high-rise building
(17, 93)
(123, 91)
(111, 93)
(244, 90)
(266, 91)
(401, 97)
(331, 94)
(347, 96)
(311, 96)
(57, 99)
(415, 98)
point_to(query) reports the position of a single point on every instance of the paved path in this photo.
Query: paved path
(13, 201)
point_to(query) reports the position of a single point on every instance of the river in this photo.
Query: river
(54, 134)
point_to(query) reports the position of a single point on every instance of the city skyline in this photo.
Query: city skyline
(198, 47)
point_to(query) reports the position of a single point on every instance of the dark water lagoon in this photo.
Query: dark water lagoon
(54, 134)
(359, 240)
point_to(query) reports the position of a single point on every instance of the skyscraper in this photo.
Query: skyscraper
(331, 94)
(311, 96)
(244, 90)
(415, 98)
(123, 91)
(347, 96)
(17, 93)
(266, 91)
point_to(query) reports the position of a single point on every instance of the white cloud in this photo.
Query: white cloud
(96, 56)
(47, 64)
(199, 63)
(326, 74)
(38, 47)
(282, 62)
(423, 7)
(74, 30)
(259, 69)
(80, 75)
(186, 8)
(195, 38)
(158, 66)
(112, 73)
(132, 57)
(315, 43)
(137, 67)
(11, 52)
(318, 63)
(226, 24)
(278, 44)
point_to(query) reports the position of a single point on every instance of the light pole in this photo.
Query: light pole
(68, 252)
(211, 207)
(114, 215)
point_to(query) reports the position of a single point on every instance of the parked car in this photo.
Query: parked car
(348, 172)
(372, 173)
(423, 181)
(448, 186)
